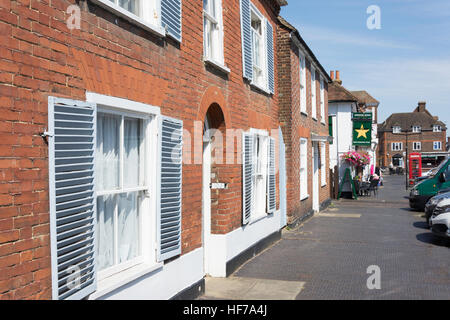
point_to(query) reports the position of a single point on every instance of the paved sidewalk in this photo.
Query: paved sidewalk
(331, 252)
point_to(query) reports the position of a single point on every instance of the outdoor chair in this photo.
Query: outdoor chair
(373, 187)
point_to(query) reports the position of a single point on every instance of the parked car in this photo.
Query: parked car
(433, 202)
(440, 220)
(439, 179)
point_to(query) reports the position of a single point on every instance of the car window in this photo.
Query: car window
(436, 170)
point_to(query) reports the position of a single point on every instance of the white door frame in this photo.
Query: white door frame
(315, 160)
(206, 197)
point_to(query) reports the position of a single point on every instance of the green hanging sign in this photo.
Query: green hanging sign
(362, 129)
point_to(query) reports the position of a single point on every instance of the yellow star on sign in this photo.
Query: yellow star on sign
(362, 132)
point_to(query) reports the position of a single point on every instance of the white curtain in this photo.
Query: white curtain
(124, 206)
(128, 226)
(132, 172)
(105, 231)
(107, 152)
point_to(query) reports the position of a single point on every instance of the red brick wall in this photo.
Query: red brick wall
(425, 137)
(40, 57)
(296, 125)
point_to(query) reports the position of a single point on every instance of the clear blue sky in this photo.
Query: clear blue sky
(407, 60)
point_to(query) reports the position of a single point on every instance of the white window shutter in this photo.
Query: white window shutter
(247, 176)
(72, 140)
(270, 58)
(171, 18)
(271, 181)
(246, 34)
(170, 188)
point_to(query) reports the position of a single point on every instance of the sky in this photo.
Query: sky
(406, 61)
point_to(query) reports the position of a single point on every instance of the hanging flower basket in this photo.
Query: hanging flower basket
(356, 159)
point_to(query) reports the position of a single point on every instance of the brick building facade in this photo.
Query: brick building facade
(115, 59)
(301, 123)
(417, 131)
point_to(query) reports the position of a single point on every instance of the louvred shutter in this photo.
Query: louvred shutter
(246, 34)
(270, 58)
(247, 176)
(170, 191)
(271, 179)
(171, 18)
(72, 134)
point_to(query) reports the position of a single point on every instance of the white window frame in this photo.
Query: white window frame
(396, 129)
(323, 158)
(263, 83)
(397, 146)
(416, 129)
(322, 100)
(302, 77)
(213, 52)
(260, 198)
(303, 169)
(417, 146)
(313, 93)
(115, 276)
(435, 143)
(437, 128)
(148, 17)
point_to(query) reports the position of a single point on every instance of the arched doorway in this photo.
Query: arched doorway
(213, 130)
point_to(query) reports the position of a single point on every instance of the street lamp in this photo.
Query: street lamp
(406, 134)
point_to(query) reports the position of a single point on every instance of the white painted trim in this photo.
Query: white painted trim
(217, 65)
(226, 247)
(156, 29)
(122, 104)
(160, 282)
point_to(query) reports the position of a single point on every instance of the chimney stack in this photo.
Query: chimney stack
(338, 79)
(422, 106)
(332, 75)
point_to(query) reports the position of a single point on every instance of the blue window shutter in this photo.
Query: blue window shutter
(72, 139)
(171, 18)
(170, 188)
(247, 58)
(247, 176)
(270, 58)
(271, 179)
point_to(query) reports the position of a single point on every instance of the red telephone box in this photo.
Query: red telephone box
(415, 166)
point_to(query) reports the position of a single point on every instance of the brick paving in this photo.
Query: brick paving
(331, 254)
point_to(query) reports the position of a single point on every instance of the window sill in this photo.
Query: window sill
(260, 88)
(315, 119)
(304, 198)
(217, 65)
(120, 279)
(155, 29)
(257, 219)
(324, 185)
(304, 113)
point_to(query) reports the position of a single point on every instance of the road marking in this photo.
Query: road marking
(339, 215)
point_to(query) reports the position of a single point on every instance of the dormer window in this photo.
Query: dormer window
(416, 129)
(437, 128)
(396, 129)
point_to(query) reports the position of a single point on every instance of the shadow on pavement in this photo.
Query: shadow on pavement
(430, 238)
(421, 225)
